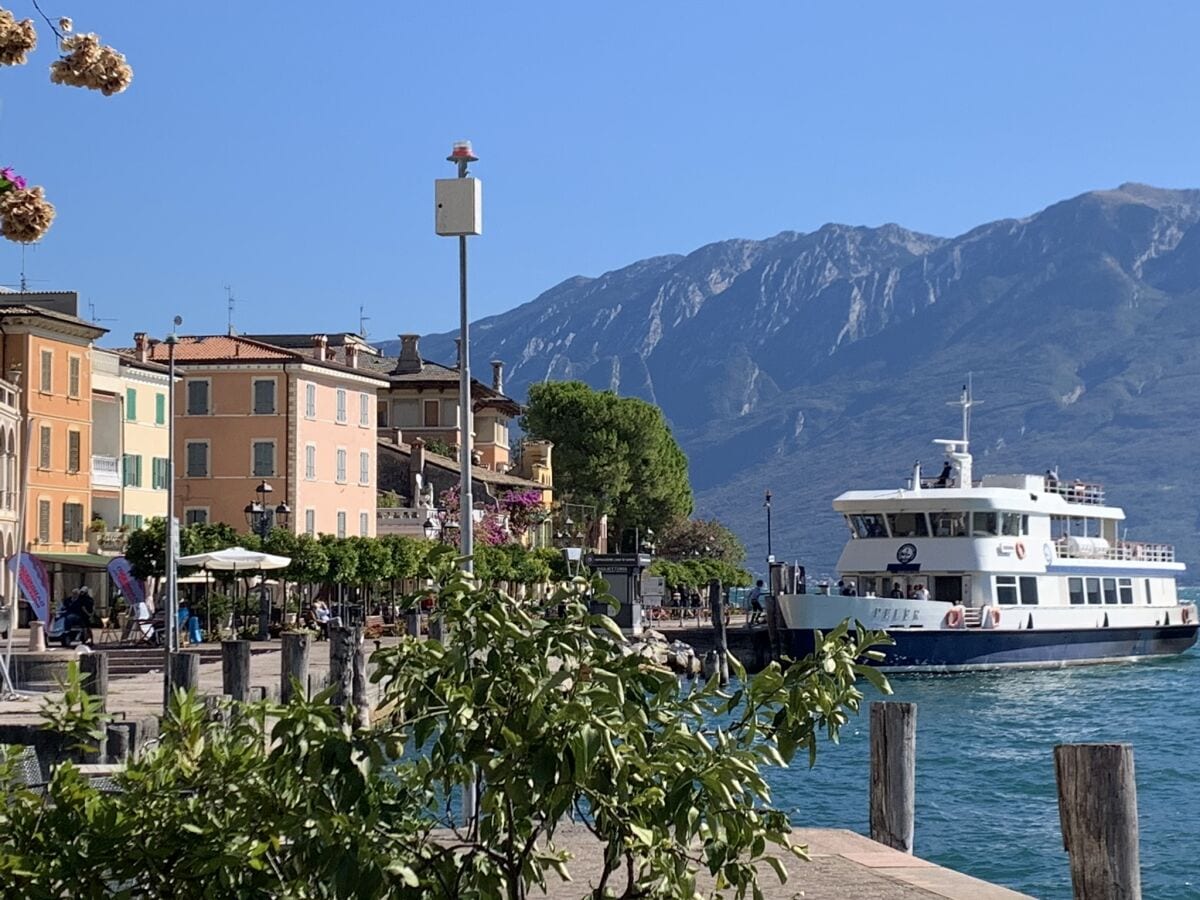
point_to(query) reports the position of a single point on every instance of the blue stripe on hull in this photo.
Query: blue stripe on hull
(983, 648)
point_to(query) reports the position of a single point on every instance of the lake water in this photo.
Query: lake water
(986, 796)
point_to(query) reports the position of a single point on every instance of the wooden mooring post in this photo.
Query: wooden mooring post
(184, 671)
(93, 671)
(893, 773)
(293, 664)
(1097, 807)
(717, 609)
(343, 641)
(235, 670)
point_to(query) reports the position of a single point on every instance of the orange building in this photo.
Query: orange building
(247, 412)
(50, 347)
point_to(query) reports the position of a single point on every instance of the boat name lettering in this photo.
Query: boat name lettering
(892, 614)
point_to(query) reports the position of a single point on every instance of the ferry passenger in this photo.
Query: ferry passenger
(851, 590)
(896, 593)
(1051, 481)
(922, 592)
(943, 480)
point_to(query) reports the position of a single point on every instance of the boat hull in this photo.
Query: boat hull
(971, 649)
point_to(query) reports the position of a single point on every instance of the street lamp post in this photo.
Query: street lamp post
(767, 504)
(459, 214)
(261, 517)
(171, 600)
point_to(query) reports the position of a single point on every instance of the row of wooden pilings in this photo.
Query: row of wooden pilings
(1097, 803)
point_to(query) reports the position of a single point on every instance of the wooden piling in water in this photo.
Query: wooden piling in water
(893, 773)
(235, 670)
(717, 609)
(343, 641)
(294, 664)
(184, 671)
(93, 672)
(1097, 807)
(362, 705)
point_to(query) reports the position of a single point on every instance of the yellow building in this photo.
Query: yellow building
(129, 440)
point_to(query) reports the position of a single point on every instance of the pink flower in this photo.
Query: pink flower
(12, 178)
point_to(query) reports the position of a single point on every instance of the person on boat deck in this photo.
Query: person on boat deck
(1051, 480)
(921, 593)
(849, 589)
(896, 593)
(943, 480)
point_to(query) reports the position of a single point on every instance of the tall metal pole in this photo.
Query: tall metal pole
(171, 619)
(767, 504)
(466, 501)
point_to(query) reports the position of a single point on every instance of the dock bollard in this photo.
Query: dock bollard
(235, 670)
(893, 773)
(293, 663)
(1097, 807)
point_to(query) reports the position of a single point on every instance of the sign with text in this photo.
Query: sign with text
(121, 572)
(34, 583)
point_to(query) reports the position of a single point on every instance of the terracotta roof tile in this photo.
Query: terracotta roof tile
(214, 347)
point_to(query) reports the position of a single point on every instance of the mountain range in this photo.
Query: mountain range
(812, 363)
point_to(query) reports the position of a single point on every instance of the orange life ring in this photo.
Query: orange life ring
(1020, 550)
(994, 614)
(954, 617)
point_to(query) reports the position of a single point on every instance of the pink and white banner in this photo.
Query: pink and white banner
(34, 583)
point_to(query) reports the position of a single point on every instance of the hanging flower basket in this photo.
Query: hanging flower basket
(25, 213)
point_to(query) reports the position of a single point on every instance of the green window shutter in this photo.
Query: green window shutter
(130, 405)
(137, 471)
(160, 409)
(125, 470)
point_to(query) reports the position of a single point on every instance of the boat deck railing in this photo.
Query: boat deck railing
(1077, 491)
(1135, 551)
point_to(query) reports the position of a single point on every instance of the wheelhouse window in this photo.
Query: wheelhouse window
(1126, 587)
(985, 524)
(908, 525)
(1013, 524)
(1110, 590)
(1006, 590)
(1029, 590)
(1075, 591)
(949, 524)
(868, 525)
(1093, 591)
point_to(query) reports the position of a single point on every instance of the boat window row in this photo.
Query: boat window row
(1012, 590)
(1082, 526)
(938, 524)
(1095, 591)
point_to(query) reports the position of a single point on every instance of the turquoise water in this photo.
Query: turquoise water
(986, 799)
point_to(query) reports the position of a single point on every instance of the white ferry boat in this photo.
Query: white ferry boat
(1007, 571)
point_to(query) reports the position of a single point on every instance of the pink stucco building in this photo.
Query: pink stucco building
(247, 412)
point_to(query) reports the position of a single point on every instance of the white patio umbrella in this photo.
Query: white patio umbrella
(236, 559)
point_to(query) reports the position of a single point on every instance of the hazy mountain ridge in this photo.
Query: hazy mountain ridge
(812, 363)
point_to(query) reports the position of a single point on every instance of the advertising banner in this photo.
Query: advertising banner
(121, 572)
(34, 582)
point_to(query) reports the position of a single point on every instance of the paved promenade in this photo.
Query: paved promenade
(843, 866)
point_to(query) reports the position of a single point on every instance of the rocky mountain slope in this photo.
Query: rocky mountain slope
(811, 363)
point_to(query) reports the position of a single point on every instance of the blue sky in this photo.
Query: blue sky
(289, 149)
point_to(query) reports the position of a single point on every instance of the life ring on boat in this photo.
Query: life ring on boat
(993, 615)
(1186, 614)
(954, 618)
(1020, 548)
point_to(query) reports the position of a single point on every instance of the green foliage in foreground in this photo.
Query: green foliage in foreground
(295, 802)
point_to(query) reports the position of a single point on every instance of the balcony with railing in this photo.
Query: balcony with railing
(106, 472)
(1125, 551)
(1077, 491)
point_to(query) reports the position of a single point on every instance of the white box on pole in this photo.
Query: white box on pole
(459, 203)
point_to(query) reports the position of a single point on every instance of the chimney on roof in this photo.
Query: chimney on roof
(351, 354)
(498, 376)
(458, 353)
(141, 343)
(410, 355)
(320, 344)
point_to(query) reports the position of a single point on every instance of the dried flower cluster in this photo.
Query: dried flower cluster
(25, 214)
(16, 39)
(90, 64)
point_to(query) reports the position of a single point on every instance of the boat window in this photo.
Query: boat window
(850, 525)
(1029, 595)
(1059, 527)
(908, 525)
(1010, 524)
(1148, 600)
(1126, 590)
(1093, 590)
(868, 525)
(1006, 589)
(1110, 590)
(1075, 590)
(985, 524)
(949, 524)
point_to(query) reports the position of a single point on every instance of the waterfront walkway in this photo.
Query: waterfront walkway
(843, 866)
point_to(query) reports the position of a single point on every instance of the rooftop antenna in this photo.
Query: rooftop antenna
(362, 321)
(965, 402)
(92, 313)
(230, 300)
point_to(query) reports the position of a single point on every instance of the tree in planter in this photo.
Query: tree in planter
(374, 566)
(310, 565)
(294, 802)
